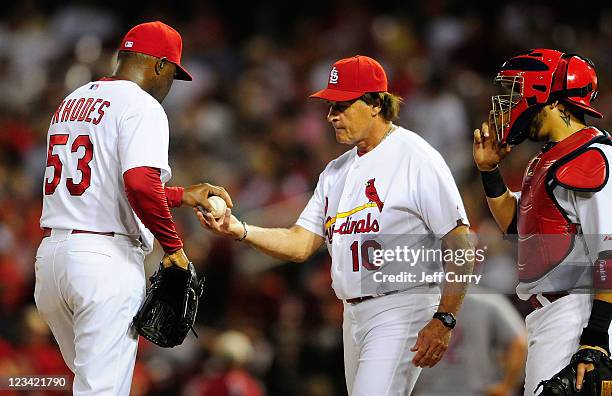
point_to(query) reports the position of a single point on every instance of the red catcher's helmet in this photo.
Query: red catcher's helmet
(534, 78)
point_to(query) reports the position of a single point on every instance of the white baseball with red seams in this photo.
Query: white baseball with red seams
(218, 206)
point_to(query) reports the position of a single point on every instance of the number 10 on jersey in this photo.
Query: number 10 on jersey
(363, 252)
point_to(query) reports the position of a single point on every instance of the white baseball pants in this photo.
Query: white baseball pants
(88, 288)
(553, 334)
(378, 334)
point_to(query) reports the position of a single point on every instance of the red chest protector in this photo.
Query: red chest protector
(546, 234)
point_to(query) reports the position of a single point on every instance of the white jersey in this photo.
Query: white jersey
(402, 187)
(590, 210)
(99, 131)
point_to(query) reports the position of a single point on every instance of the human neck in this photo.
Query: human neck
(376, 135)
(563, 125)
(135, 76)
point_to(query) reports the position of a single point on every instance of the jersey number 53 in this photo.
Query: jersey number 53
(53, 160)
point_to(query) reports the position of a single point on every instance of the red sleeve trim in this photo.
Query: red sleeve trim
(174, 196)
(146, 195)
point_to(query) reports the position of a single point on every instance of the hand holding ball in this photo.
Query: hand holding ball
(218, 206)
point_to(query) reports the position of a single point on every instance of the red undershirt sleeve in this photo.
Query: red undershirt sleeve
(174, 196)
(148, 199)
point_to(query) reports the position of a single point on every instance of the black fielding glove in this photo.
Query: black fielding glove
(170, 306)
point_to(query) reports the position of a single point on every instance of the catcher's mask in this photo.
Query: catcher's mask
(534, 78)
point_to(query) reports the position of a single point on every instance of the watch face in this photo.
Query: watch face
(447, 319)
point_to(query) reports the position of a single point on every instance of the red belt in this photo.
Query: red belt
(47, 232)
(551, 297)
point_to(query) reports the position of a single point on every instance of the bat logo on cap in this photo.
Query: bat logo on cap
(128, 44)
(333, 76)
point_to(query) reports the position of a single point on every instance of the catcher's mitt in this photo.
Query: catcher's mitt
(596, 383)
(170, 306)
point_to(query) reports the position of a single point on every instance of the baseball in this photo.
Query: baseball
(218, 206)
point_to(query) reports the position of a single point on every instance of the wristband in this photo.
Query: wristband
(174, 196)
(493, 183)
(596, 332)
(245, 233)
(601, 277)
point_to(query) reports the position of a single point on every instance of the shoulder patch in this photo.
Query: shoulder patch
(589, 171)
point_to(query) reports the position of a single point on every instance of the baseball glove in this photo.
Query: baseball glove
(596, 382)
(170, 306)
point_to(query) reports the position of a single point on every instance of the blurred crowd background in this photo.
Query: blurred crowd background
(265, 327)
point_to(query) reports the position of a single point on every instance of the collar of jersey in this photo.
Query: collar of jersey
(360, 155)
(112, 79)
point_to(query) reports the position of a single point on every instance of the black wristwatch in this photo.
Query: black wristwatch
(447, 319)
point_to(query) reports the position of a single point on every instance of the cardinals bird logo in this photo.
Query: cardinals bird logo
(372, 194)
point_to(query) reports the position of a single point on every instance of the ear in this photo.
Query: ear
(375, 109)
(159, 65)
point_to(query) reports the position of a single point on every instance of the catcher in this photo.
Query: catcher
(560, 215)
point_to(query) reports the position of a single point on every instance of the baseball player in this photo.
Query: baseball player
(561, 213)
(391, 182)
(103, 201)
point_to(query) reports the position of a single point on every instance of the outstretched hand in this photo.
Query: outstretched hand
(226, 225)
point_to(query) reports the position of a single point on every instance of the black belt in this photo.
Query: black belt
(357, 300)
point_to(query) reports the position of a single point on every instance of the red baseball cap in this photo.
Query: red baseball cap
(352, 77)
(159, 40)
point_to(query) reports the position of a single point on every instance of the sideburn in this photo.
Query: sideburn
(535, 126)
